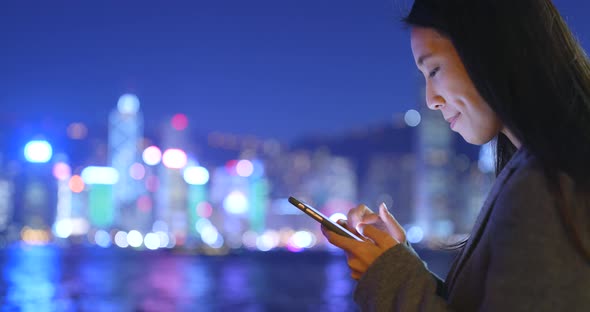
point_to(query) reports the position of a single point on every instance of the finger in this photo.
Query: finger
(356, 275)
(355, 264)
(393, 227)
(355, 215)
(381, 238)
(345, 243)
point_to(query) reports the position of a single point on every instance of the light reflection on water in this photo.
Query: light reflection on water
(47, 278)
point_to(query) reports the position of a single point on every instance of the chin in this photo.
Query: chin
(475, 140)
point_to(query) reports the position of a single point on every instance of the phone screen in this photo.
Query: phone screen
(325, 221)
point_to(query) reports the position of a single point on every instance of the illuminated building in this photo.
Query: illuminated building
(125, 132)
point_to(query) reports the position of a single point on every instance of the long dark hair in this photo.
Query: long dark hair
(527, 65)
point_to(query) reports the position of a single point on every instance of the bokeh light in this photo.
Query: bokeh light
(196, 175)
(137, 171)
(152, 155)
(244, 168)
(179, 122)
(76, 184)
(38, 151)
(134, 238)
(128, 104)
(412, 118)
(236, 203)
(77, 131)
(174, 158)
(61, 171)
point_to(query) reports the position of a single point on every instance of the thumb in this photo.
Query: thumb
(393, 227)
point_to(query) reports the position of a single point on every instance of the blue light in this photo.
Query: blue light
(38, 151)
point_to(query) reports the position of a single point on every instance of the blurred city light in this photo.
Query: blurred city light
(34, 236)
(102, 238)
(303, 239)
(204, 210)
(137, 171)
(412, 118)
(174, 158)
(76, 184)
(337, 216)
(100, 175)
(244, 168)
(196, 175)
(236, 203)
(63, 228)
(179, 122)
(415, 234)
(152, 241)
(128, 104)
(121, 239)
(134, 238)
(152, 155)
(163, 239)
(38, 151)
(61, 171)
(77, 131)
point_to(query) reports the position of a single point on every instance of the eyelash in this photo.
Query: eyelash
(433, 72)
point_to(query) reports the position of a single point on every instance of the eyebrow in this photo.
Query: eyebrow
(422, 58)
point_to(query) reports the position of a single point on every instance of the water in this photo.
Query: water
(48, 278)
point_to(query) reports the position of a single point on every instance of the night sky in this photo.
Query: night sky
(272, 68)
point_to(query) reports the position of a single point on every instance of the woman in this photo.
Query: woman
(510, 71)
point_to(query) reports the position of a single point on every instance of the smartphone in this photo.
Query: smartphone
(325, 221)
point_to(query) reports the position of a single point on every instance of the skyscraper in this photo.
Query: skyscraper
(125, 132)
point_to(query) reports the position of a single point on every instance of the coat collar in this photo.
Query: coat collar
(516, 161)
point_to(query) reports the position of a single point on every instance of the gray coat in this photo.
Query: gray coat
(518, 257)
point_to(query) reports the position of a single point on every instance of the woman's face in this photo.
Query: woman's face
(449, 88)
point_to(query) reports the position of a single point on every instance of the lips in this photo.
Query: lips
(453, 119)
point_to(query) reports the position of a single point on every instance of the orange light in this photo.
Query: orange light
(76, 184)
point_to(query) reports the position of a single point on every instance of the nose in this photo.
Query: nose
(434, 100)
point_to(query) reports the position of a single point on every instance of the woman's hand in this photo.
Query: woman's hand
(361, 255)
(384, 221)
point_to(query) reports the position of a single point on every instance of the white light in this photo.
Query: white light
(196, 175)
(267, 241)
(412, 118)
(128, 104)
(100, 175)
(303, 239)
(337, 216)
(415, 234)
(164, 240)
(236, 203)
(38, 151)
(152, 241)
(80, 226)
(174, 158)
(244, 168)
(218, 243)
(63, 228)
(102, 238)
(134, 238)
(209, 235)
(201, 224)
(151, 156)
(121, 239)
